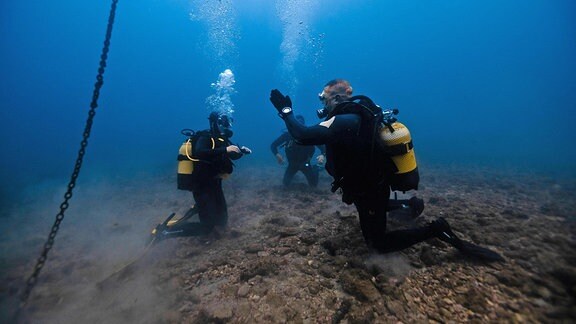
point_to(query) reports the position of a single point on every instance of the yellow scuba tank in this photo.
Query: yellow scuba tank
(186, 161)
(397, 142)
(394, 138)
(186, 166)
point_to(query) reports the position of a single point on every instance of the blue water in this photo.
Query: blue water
(489, 83)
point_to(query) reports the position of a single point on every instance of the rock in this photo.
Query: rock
(253, 248)
(461, 289)
(302, 250)
(262, 267)
(288, 231)
(307, 269)
(396, 308)
(327, 271)
(542, 292)
(308, 238)
(186, 308)
(330, 247)
(475, 300)
(327, 284)
(359, 314)
(274, 300)
(314, 288)
(342, 311)
(490, 279)
(242, 312)
(508, 278)
(243, 290)
(284, 250)
(220, 313)
(193, 298)
(362, 289)
(483, 222)
(427, 256)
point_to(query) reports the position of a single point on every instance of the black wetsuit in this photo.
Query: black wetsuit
(363, 175)
(207, 188)
(298, 157)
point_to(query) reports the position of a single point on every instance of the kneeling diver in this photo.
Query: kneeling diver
(213, 153)
(363, 177)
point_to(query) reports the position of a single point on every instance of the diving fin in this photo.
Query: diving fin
(165, 229)
(416, 206)
(479, 252)
(443, 232)
(158, 231)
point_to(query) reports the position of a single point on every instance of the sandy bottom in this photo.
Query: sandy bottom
(292, 255)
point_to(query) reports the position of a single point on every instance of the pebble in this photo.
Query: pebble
(253, 248)
(221, 313)
(243, 290)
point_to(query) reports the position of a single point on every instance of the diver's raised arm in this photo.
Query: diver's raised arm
(313, 135)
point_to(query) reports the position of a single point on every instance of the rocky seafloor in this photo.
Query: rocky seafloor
(297, 255)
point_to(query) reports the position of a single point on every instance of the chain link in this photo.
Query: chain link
(31, 282)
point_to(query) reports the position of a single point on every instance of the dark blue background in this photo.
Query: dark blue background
(482, 83)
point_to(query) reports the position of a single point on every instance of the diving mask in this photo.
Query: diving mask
(222, 125)
(322, 112)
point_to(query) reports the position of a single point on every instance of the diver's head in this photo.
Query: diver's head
(300, 118)
(335, 92)
(220, 124)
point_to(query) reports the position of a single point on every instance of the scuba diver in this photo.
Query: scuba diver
(298, 157)
(204, 160)
(352, 132)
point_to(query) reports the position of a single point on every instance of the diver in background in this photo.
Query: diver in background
(298, 157)
(363, 174)
(214, 153)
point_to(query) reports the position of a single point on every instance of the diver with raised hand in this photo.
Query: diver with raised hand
(212, 156)
(362, 172)
(298, 157)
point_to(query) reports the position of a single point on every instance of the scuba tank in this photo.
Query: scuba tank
(397, 142)
(185, 178)
(394, 138)
(191, 168)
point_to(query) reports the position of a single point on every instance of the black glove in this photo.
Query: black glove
(279, 100)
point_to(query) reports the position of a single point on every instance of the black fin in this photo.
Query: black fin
(479, 252)
(442, 230)
(416, 206)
